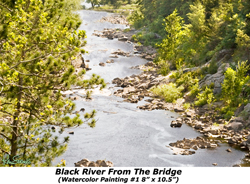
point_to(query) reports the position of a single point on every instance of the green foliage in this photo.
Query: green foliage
(39, 43)
(136, 18)
(170, 92)
(210, 27)
(164, 68)
(201, 31)
(187, 80)
(233, 83)
(169, 49)
(206, 97)
(213, 67)
(145, 38)
(194, 90)
(186, 106)
(151, 13)
(227, 112)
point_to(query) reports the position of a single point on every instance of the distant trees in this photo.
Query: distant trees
(94, 2)
(114, 3)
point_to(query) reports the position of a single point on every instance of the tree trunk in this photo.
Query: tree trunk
(15, 123)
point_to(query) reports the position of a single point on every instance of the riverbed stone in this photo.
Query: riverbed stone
(130, 89)
(82, 109)
(176, 124)
(124, 38)
(198, 125)
(102, 64)
(195, 143)
(99, 163)
(179, 109)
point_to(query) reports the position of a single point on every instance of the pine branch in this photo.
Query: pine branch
(5, 112)
(43, 56)
(5, 136)
(28, 145)
(3, 5)
(4, 151)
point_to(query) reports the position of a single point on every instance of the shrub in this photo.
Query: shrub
(187, 80)
(227, 112)
(164, 68)
(194, 90)
(186, 106)
(170, 92)
(206, 97)
(213, 67)
(233, 83)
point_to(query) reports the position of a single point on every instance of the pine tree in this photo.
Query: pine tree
(39, 41)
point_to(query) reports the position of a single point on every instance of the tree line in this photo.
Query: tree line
(114, 3)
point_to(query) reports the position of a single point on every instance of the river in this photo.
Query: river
(125, 135)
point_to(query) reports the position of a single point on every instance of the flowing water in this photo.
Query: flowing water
(124, 134)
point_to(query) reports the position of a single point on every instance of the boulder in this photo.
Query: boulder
(247, 108)
(179, 109)
(189, 114)
(124, 38)
(214, 131)
(149, 58)
(113, 56)
(109, 164)
(143, 86)
(129, 89)
(150, 63)
(110, 37)
(216, 78)
(232, 141)
(102, 64)
(83, 163)
(176, 124)
(92, 164)
(99, 163)
(240, 109)
(248, 139)
(139, 48)
(198, 126)
(236, 126)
